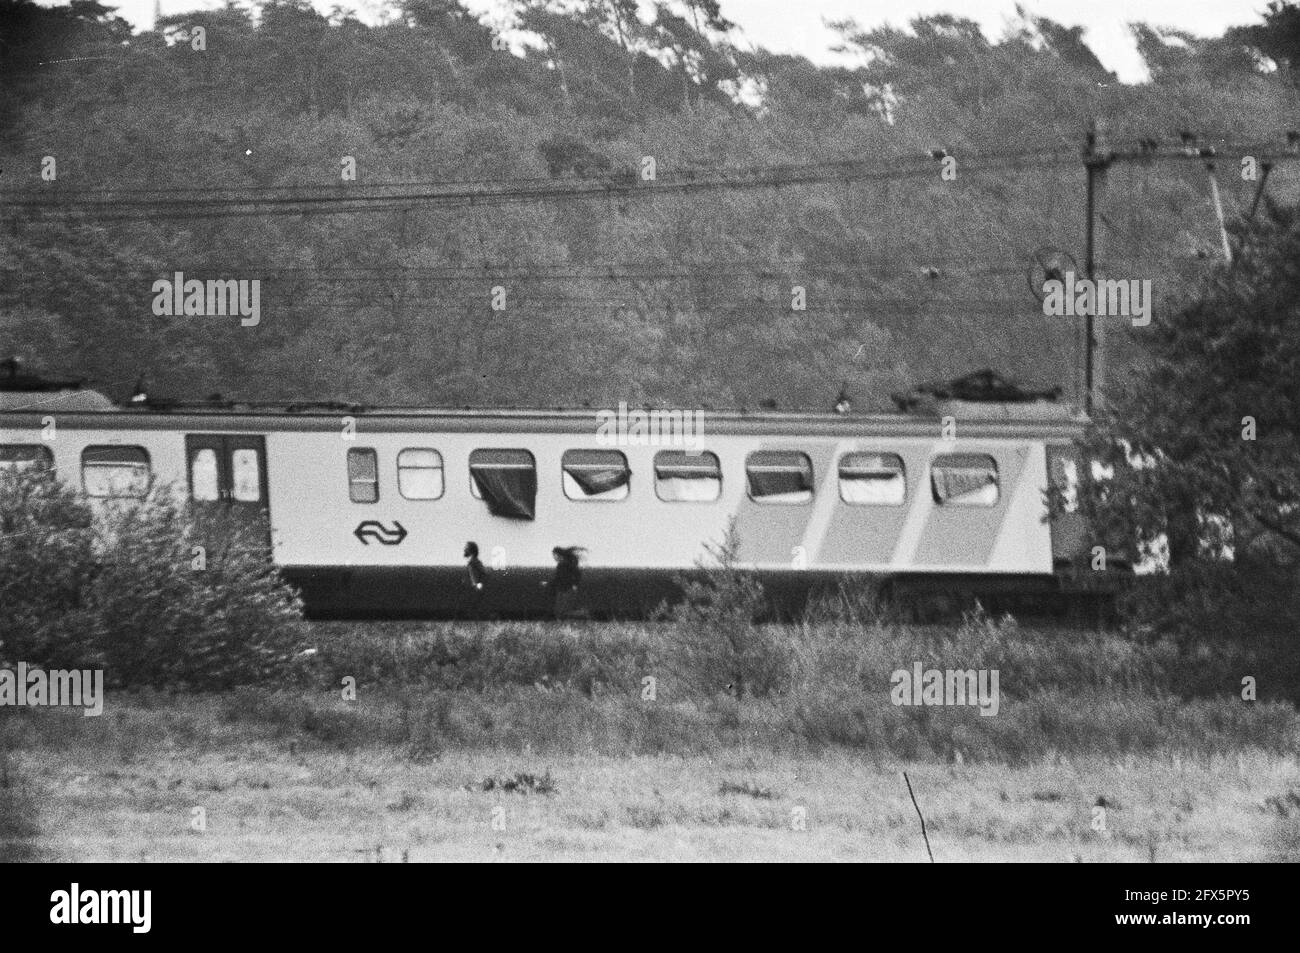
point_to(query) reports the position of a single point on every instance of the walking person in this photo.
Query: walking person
(566, 580)
(471, 606)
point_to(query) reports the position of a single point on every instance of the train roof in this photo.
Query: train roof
(91, 410)
(62, 401)
(983, 402)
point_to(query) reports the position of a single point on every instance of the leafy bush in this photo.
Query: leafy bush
(1200, 449)
(126, 590)
(715, 642)
(1225, 620)
(47, 565)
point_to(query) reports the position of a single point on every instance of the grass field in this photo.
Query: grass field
(498, 742)
(265, 802)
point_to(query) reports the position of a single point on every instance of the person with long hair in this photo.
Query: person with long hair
(566, 580)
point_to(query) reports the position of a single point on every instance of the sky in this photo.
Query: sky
(798, 26)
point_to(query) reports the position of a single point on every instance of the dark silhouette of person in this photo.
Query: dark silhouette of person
(568, 576)
(471, 605)
(477, 571)
(479, 602)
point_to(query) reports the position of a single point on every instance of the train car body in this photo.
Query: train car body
(370, 510)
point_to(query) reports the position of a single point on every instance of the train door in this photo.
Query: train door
(227, 480)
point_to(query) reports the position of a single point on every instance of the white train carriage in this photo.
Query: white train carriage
(370, 510)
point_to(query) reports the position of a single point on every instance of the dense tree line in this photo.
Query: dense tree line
(907, 277)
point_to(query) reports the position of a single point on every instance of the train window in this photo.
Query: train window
(419, 474)
(363, 475)
(205, 483)
(112, 471)
(779, 476)
(682, 477)
(595, 475)
(964, 479)
(873, 479)
(506, 480)
(246, 475)
(14, 455)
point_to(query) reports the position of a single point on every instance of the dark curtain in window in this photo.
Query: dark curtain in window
(602, 480)
(958, 474)
(114, 456)
(949, 484)
(772, 474)
(676, 465)
(596, 471)
(508, 485)
(870, 466)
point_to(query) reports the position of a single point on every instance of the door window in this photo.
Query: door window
(245, 475)
(205, 477)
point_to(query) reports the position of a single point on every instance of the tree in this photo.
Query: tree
(1173, 56)
(620, 16)
(940, 51)
(1069, 45)
(1278, 37)
(1205, 442)
(701, 63)
(716, 640)
(902, 275)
